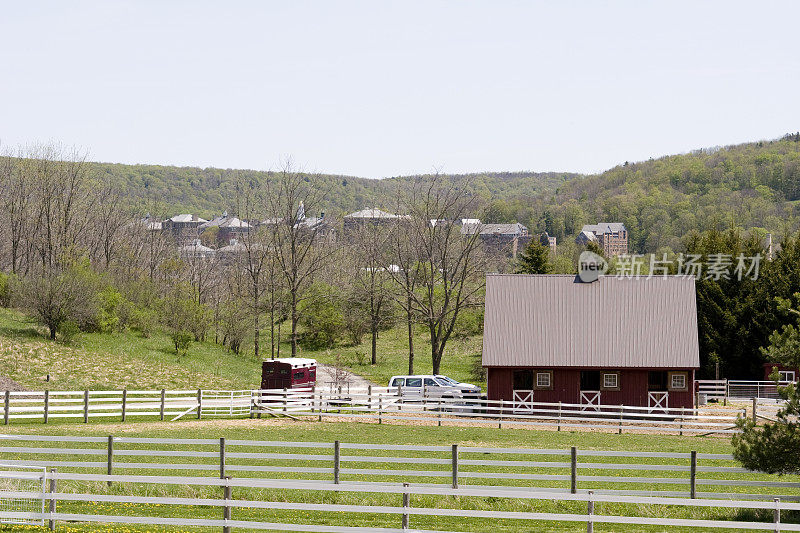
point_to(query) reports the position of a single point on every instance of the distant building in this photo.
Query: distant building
(547, 240)
(507, 239)
(611, 236)
(183, 228)
(372, 217)
(229, 228)
(196, 250)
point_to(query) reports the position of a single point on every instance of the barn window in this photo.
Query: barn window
(299, 374)
(544, 380)
(677, 381)
(610, 380)
(787, 375)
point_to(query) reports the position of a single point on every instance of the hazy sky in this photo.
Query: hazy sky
(377, 88)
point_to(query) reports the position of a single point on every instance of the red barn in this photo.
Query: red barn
(288, 372)
(617, 341)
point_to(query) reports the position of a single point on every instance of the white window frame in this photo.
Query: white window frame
(681, 376)
(614, 375)
(549, 377)
(787, 375)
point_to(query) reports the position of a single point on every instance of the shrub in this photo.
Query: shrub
(322, 320)
(68, 331)
(8, 284)
(142, 319)
(182, 340)
(111, 303)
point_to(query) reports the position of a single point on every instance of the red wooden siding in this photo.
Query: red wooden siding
(633, 388)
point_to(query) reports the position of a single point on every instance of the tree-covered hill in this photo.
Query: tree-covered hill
(209, 191)
(753, 185)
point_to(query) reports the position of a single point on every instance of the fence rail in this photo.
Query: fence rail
(697, 475)
(461, 464)
(724, 389)
(373, 404)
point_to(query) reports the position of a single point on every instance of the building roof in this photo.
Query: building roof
(225, 221)
(187, 218)
(494, 229)
(296, 362)
(604, 227)
(371, 213)
(554, 321)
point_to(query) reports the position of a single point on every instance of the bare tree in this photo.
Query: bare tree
(16, 198)
(300, 254)
(369, 262)
(444, 262)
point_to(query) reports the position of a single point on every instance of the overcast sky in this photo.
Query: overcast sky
(378, 88)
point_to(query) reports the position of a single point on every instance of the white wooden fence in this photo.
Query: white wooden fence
(382, 404)
(75, 465)
(692, 474)
(376, 404)
(724, 389)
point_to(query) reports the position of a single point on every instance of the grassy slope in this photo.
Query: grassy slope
(114, 361)
(98, 360)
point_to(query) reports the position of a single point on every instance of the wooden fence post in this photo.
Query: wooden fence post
(124, 403)
(369, 397)
(380, 408)
(755, 410)
(559, 416)
(336, 462)
(573, 470)
(199, 403)
(406, 505)
(693, 476)
(226, 511)
(590, 512)
(500, 415)
(776, 515)
(454, 462)
(163, 401)
(621, 407)
(6, 407)
(86, 406)
(439, 409)
(51, 507)
(222, 457)
(46, 405)
(110, 466)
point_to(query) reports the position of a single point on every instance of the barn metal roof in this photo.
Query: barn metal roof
(557, 321)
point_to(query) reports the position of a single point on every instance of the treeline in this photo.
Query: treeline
(749, 186)
(754, 185)
(76, 259)
(210, 191)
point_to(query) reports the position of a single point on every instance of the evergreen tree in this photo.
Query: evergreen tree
(535, 259)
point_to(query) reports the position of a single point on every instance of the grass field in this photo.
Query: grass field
(283, 430)
(119, 360)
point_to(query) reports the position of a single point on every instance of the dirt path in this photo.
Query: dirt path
(330, 376)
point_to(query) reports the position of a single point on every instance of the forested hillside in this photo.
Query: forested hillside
(169, 190)
(754, 185)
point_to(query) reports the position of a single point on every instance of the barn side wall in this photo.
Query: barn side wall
(566, 386)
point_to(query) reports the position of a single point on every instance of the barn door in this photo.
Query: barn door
(658, 401)
(523, 401)
(590, 400)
